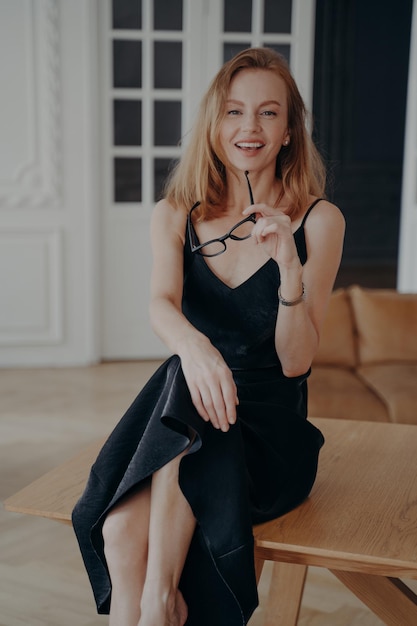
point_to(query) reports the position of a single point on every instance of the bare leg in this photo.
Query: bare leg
(146, 539)
(125, 533)
(171, 528)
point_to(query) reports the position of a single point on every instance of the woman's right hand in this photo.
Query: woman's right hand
(210, 381)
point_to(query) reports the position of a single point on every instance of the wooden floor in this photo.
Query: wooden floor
(46, 416)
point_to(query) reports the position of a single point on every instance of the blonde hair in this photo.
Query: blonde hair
(200, 174)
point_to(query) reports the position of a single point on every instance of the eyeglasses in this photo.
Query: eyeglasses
(239, 232)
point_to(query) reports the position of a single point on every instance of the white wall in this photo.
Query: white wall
(407, 262)
(48, 182)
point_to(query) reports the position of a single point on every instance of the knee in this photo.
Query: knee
(124, 542)
(112, 534)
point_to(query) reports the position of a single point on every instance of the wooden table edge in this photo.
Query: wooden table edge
(351, 562)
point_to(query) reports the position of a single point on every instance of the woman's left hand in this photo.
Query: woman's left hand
(273, 230)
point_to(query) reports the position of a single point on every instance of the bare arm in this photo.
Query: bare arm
(210, 381)
(298, 327)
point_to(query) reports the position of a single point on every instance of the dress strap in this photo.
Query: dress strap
(310, 208)
(188, 255)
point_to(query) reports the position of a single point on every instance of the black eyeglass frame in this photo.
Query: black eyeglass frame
(198, 248)
(229, 235)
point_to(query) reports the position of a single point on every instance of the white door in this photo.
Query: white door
(157, 58)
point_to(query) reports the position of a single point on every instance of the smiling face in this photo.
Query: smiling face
(255, 123)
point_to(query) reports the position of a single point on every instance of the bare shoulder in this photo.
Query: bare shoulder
(168, 220)
(326, 213)
(331, 209)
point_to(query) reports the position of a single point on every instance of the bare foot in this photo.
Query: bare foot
(170, 614)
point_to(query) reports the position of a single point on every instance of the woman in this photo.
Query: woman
(218, 439)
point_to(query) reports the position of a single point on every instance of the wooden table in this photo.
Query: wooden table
(360, 521)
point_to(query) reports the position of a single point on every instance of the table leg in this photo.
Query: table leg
(285, 594)
(389, 598)
(259, 565)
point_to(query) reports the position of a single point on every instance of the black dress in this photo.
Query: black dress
(262, 467)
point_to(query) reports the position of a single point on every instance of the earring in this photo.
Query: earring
(286, 142)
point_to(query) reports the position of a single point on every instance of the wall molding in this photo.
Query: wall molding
(35, 181)
(32, 303)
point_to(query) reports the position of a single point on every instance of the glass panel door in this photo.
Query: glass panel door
(146, 95)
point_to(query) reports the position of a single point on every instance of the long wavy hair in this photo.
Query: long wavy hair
(201, 175)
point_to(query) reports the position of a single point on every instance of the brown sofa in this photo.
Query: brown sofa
(366, 365)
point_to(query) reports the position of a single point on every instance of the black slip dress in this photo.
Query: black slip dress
(264, 466)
